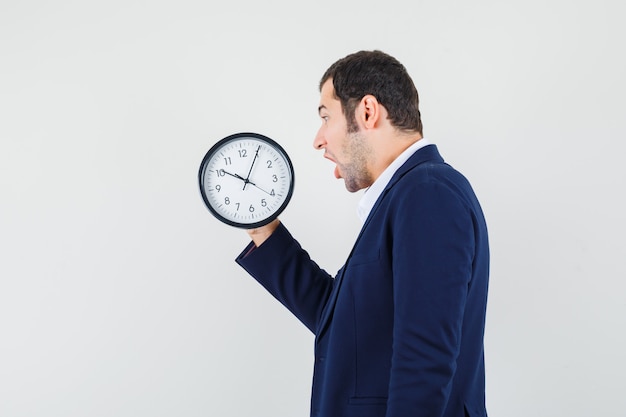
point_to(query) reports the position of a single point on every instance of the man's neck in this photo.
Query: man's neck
(387, 149)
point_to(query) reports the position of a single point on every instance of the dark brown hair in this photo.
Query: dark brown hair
(381, 75)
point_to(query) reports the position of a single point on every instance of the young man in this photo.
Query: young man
(399, 330)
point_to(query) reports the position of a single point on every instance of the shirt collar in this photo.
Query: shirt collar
(367, 201)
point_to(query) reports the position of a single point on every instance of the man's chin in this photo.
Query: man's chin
(351, 186)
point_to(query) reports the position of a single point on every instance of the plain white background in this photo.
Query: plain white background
(119, 294)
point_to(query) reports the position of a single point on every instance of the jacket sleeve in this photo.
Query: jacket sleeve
(432, 266)
(282, 267)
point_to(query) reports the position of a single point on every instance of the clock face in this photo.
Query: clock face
(246, 180)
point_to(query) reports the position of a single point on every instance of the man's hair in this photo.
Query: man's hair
(381, 75)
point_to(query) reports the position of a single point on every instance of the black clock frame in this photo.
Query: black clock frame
(213, 150)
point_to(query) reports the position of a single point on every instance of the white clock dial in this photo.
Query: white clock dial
(246, 180)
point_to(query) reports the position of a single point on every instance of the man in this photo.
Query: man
(399, 330)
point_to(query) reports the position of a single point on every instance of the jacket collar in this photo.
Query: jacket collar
(428, 153)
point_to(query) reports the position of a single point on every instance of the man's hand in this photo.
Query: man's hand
(261, 234)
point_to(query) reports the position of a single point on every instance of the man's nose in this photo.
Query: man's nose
(319, 142)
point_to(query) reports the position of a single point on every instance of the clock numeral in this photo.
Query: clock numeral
(269, 164)
(251, 208)
(227, 161)
(263, 202)
(218, 187)
(243, 153)
(227, 201)
(221, 173)
(237, 206)
(272, 193)
(274, 178)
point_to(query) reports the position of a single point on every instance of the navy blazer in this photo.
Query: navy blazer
(399, 331)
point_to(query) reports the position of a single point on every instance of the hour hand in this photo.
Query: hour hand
(234, 175)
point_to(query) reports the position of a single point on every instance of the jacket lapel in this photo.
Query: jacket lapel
(425, 154)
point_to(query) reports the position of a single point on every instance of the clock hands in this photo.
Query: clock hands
(247, 180)
(234, 175)
(254, 185)
(266, 176)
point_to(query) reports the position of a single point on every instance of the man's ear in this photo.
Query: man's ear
(368, 111)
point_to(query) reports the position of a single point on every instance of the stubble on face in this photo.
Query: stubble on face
(357, 154)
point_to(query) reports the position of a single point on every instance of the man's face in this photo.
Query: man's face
(350, 151)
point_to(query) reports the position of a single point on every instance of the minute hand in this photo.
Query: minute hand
(247, 180)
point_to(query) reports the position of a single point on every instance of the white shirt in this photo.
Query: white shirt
(373, 191)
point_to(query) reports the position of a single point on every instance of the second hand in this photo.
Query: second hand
(246, 182)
